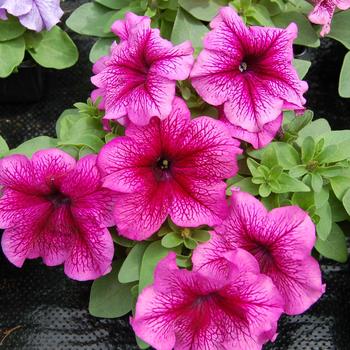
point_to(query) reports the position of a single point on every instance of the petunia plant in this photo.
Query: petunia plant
(28, 28)
(193, 186)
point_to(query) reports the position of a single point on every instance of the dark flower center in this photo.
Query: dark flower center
(243, 67)
(263, 255)
(163, 164)
(162, 168)
(58, 199)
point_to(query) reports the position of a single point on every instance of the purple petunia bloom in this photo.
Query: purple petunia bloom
(3, 14)
(176, 166)
(36, 15)
(323, 12)
(249, 71)
(138, 79)
(55, 208)
(190, 310)
(281, 240)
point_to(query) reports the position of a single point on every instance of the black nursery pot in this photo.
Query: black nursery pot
(26, 85)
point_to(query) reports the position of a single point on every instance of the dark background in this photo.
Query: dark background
(46, 310)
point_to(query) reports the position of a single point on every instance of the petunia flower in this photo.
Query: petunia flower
(323, 12)
(3, 15)
(186, 310)
(281, 240)
(171, 167)
(249, 71)
(257, 139)
(36, 15)
(138, 78)
(55, 208)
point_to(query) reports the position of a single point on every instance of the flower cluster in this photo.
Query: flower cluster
(256, 265)
(33, 14)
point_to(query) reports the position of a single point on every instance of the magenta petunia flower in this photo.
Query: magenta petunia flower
(172, 167)
(323, 12)
(34, 14)
(139, 77)
(248, 70)
(55, 208)
(186, 310)
(281, 241)
(257, 139)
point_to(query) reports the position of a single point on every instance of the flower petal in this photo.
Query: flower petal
(91, 252)
(124, 27)
(16, 7)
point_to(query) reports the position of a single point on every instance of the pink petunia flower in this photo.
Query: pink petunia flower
(323, 13)
(36, 15)
(281, 241)
(138, 78)
(248, 70)
(171, 167)
(55, 208)
(186, 310)
(257, 139)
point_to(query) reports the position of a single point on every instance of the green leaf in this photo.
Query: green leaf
(4, 148)
(338, 211)
(55, 50)
(91, 141)
(298, 171)
(153, 254)
(329, 155)
(324, 226)
(321, 197)
(253, 167)
(260, 14)
(186, 27)
(306, 34)
(308, 149)
(11, 28)
(290, 184)
(203, 10)
(11, 55)
(316, 182)
(245, 185)
(31, 146)
(90, 19)
(171, 240)
(190, 243)
(130, 269)
(201, 235)
(340, 29)
(346, 201)
(286, 154)
(315, 129)
(264, 190)
(75, 125)
(302, 67)
(114, 4)
(109, 298)
(71, 150)
(334, 247)
(100, 48)
(340, 184)
(84, 151)
(303, 200)
(344, 80)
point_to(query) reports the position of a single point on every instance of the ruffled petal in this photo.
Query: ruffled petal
(140, 214)
(16, 7)
(124, 27)
(91, 252)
